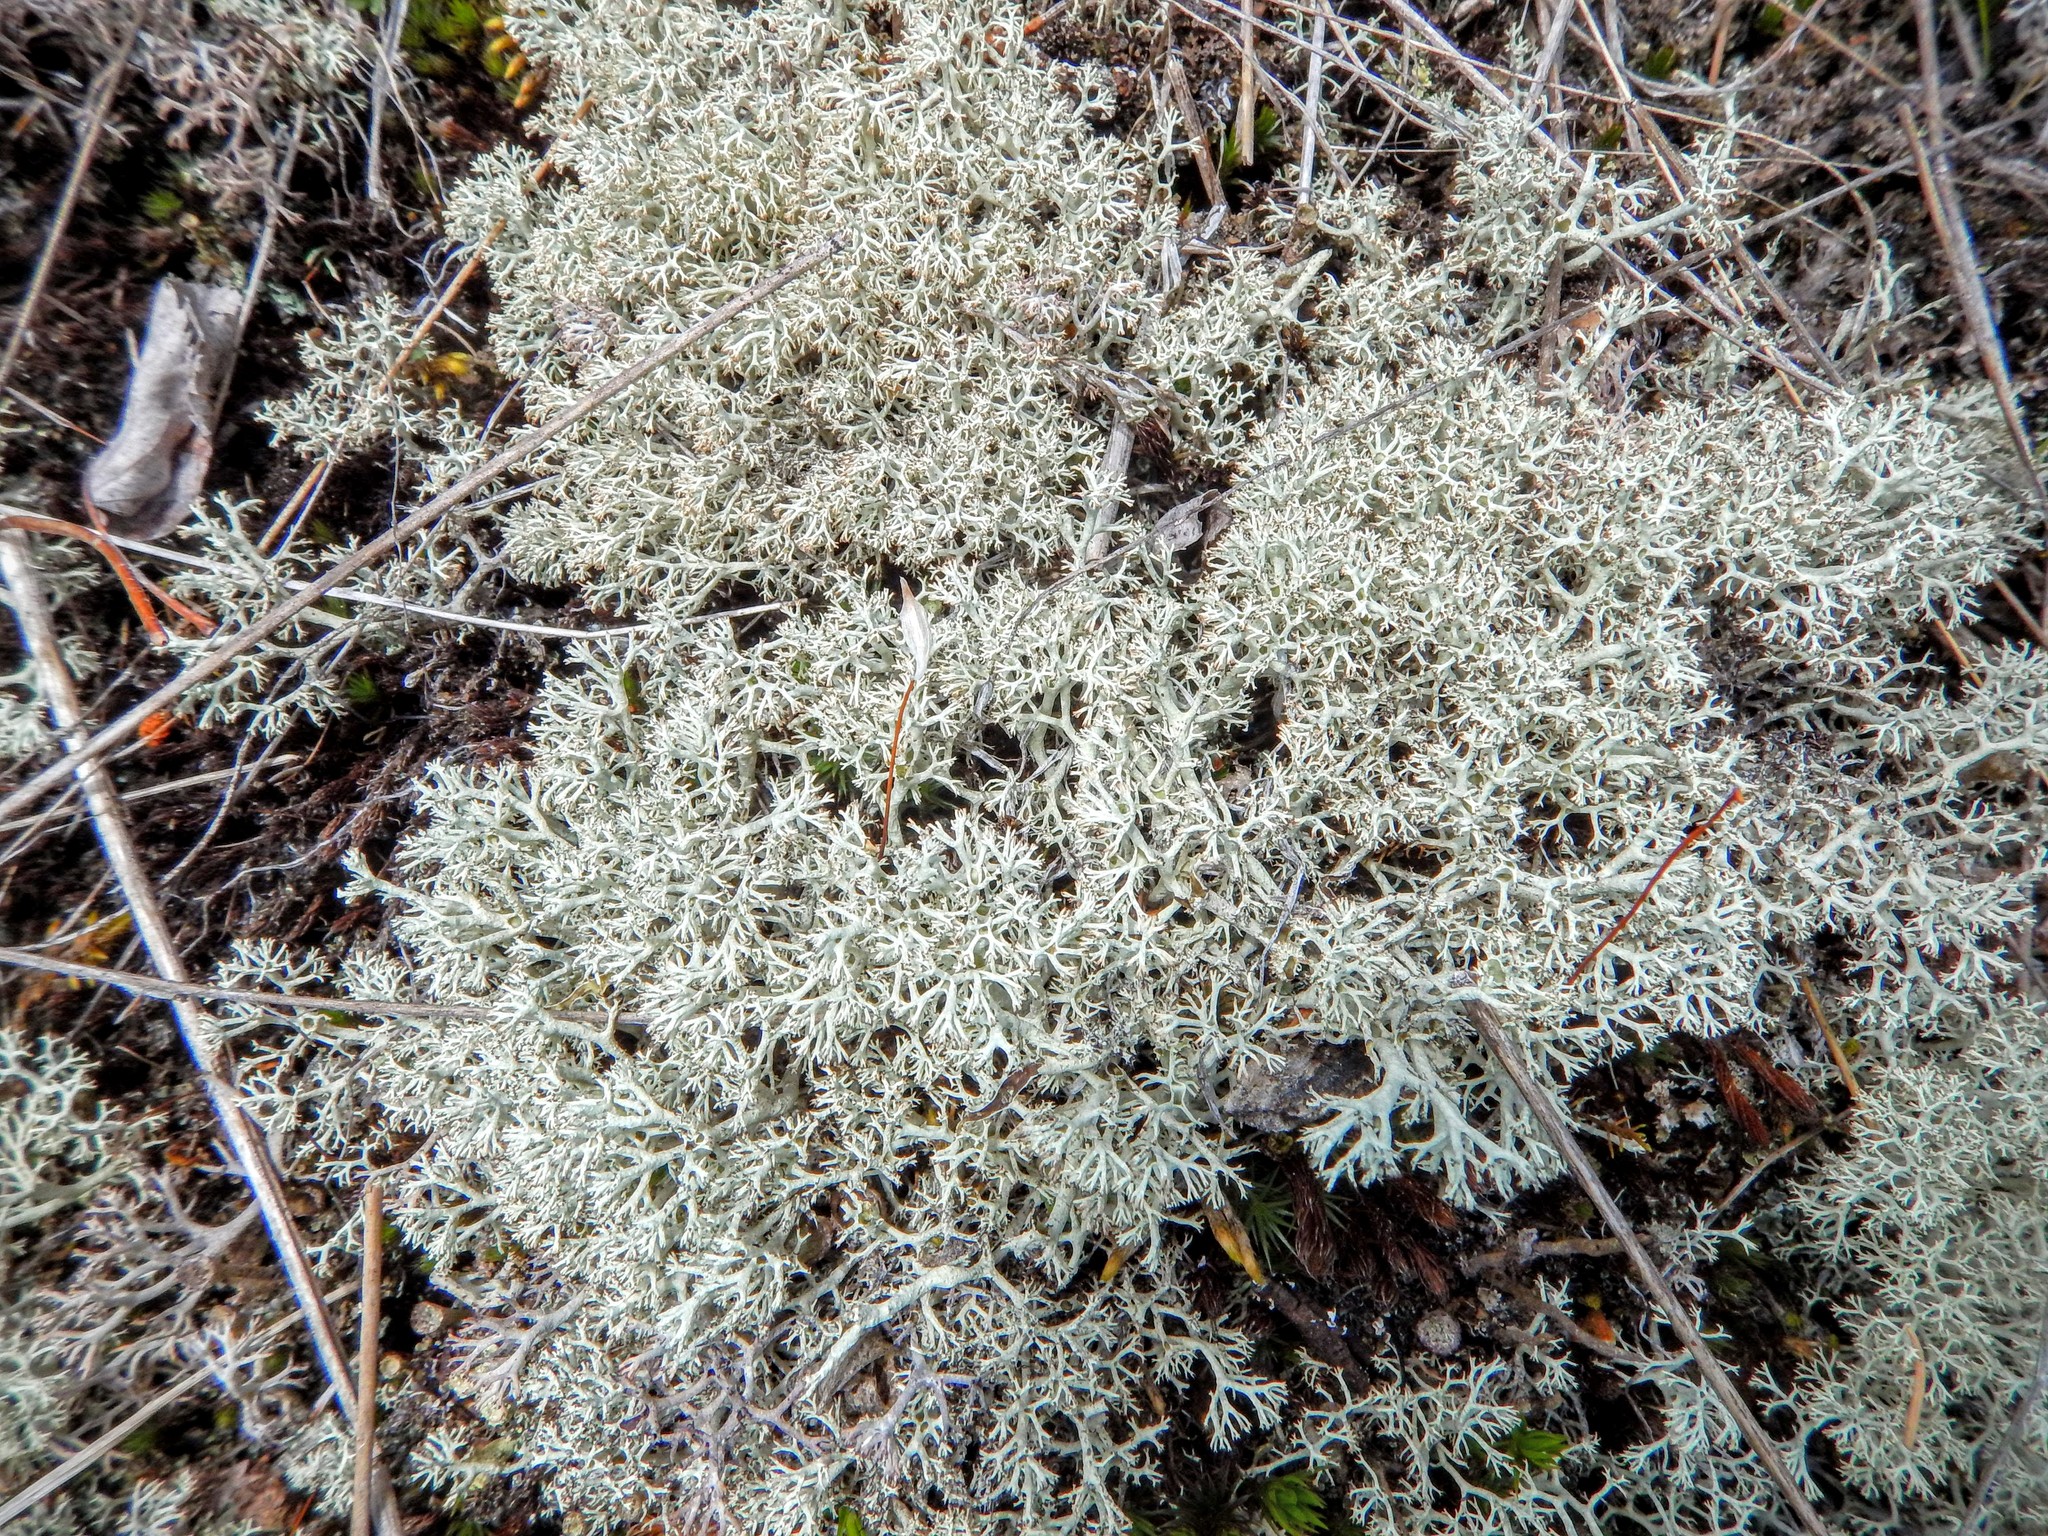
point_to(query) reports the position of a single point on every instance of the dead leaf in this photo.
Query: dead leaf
(917, 634)
(1181, 525)
(1113, 1265)
(1235, 1241)
(146, 479)
(1216, 519)
(1289, 1092)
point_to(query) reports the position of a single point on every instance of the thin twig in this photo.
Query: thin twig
(889, 783)
(1743, 1185)
(200, 1036)
(1558, 1129)
(1514, 344)
(448, 295)
(1802, 22)
(266, 242)
(1693, 834)
(1685, 187)
(368, 1327)
(1827, 1033)
(514, 453)
(139, 985)
(450, 615)
(1458, 59)
(1948, 641)
(302, 496)
(1198, 138)
(1570, 1326)
(53, 417)
(1952, 226)
(100, 102)
(2012, 601)
(1317, 1332)
(169, 787)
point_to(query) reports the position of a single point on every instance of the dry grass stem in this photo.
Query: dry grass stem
(1948, 643)
(1312, 105)
(266, 241)
(371, 1324)
(1692, 835)
(169, 787)
(1559, 1132)
(139, 985)
(1247, 87)
(99, 102)
(2032, 625)
(1952, 227)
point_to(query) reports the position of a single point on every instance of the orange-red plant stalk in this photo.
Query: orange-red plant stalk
(889, 785)
(1692, 835)
(133, 582)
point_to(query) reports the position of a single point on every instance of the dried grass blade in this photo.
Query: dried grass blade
(371, 1324)
(1952, 226)
(1916, 1397)
(1191, 124)
(1827, 1033)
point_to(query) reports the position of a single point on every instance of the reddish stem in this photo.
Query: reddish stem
(1692, 835)
(889, 785)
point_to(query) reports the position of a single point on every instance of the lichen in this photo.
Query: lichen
(825, 1220)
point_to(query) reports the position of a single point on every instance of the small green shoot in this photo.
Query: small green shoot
(1269, 1218)
(1265, 140)
(361, 688)
(162, 206)
(1293, 1504)
(1539, 1450)
(849, 1522)
(837, 777)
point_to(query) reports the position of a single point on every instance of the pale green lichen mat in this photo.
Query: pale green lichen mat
(1515, 643)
